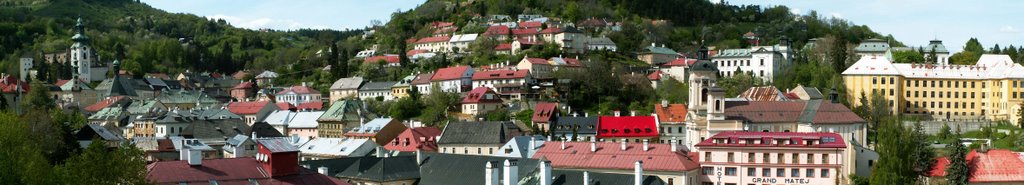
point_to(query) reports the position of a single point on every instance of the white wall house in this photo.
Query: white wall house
(763, 62)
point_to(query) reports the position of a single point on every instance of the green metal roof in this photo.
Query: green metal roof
(733, 53)
(659, 50)
(872, 45)
(343, 110)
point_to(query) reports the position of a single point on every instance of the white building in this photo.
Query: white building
(298, 95)
(83, 57)
(25, 65)
(764, 62)
(461, 41)
(433, 44)
(453, 79)
(332, 148)
(376, 89)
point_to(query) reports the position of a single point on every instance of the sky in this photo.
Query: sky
(913, 22)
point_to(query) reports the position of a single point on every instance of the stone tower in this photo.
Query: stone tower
(703, 76)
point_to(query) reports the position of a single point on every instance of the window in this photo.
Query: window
(795, 172)
(708, 170)
(824, 158)
(766, 172)
(707, 156)
(750, 156)
(892, 92)
(762, 62)
(883, 81)
(795, 158)
(824, 173)
(764, 158)
(810, 158)
(780, 172)
(874, 80)
(730, 158)
(810, 173)
(752, 172)
(780, 157)
(891, 81)
(730, 171)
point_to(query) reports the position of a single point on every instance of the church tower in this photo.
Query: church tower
(703, 76)
(81, 54)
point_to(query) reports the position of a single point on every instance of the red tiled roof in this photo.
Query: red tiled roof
(244, 85)
(479, 95)
(530, 24)
(544, 111)
(792, 96)
(996, 165)
(500, 74)
(299, 89)
(246, 108)
(537, 61)
(216, 75)
(497, 30)
(95, 107)
(626, 126)
(765, 93)
(423, 138)
(749, 34)
(310, 106)
(387, 58)
(503, 47)
(764, 112)
(422, 78)
(449, 73)
(655, 76)
(609, 155)
(284, 106)
(675, 113)
(61, 82)
(8, 84)
(825, 140)
(572, 62)
(551, 31)
(680, 62)
(834, 113)
(414, 52)
(439, 24)
(228, 171)
(239, 75)
(434, 39)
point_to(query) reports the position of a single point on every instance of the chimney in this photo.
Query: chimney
(419, 156)
(623, 144)
(491, 175)
(593, 146)
(563, 144)
(834, 96)
(545, 172)
(638, 172)
(511, 172)
(586, 114)
(664, 103)
(674, 147)
(195, 157)
(586, 178)
(323, 170)
(646, 145)
(533, 140)
(616, 113)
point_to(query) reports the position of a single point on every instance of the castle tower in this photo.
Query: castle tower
(81, 54)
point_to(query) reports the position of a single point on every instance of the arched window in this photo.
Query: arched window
(718, 105)
(704, 95)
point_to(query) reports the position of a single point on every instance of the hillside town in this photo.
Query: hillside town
(712, 115)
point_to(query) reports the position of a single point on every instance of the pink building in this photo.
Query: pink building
(772, 158)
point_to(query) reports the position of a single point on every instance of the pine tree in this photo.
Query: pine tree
(924, 156)
(332, 58)
(932, 58)
(895, 163)
(957, 172)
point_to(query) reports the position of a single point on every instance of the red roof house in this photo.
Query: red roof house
(543, 114)
(524, 32)
(627, 127)
(247, 108)
(530, 24)
(9, 84)
(412, 139)
(299, 89)
(315, 106)
(96, 107)
(655, 76)
(500, 74)
(671, 113)
(503, 47)
(450, 73)
(390, 59)
(993, 166)
(481, 95)
(497, 30)
(611, 156)
(433, 39)
(285, 106)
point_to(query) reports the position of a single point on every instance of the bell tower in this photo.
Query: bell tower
(81, 54)
(703, 76)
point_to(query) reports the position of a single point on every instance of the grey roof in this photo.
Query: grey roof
(91, 130)
(522, 147)
(370, 168)
(262, 129)
(733, 53)
(277, 144)
(377, 86)
(872, 46)
(405, 81)
(565, 125)
(937, 44)
(117, 87)
(182, 96)
(703, 65)
(237, 140)
(600, 41)
(439, 168)
(489, 132)
(216, 130)
(155, 82)
(347, 83)
(659, 50)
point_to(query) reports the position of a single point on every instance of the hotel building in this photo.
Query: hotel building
(991, 90)
(731, 158)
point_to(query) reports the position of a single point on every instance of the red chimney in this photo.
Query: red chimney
(278, 157)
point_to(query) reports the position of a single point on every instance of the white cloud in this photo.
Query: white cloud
(259, 23)
(1008, 29)
(837, 15)
(796, 11)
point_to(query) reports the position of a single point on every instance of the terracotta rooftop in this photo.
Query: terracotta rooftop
(497, 30)
(655, 76)
(103, 103)
(609, 155)
(299, 89)
(434, 39)
(310, 106)
(244, 108)
(422, 78)
(500, 74)
(503, 47)
(245, 170)
(814, 111)
(449, 73)
(411, 139)
(673, 113)
(544, 111)
(479, 95)
(993, 166)
(387, 58)
(765, 93)
(796, 139)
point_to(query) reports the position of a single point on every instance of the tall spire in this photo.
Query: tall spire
(80, 27)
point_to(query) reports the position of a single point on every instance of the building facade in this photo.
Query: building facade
(772, 158)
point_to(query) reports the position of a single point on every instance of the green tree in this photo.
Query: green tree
(23, 162)
(437, 104)
(895, 163)
(932, 57)
(945, 132)
(957, 172)
(907, 57)
(500, 114)
(673, 90)
(924, 156)
(838, 55)
(99, 165)
(38, 98)
(739, 82)
(405, 108)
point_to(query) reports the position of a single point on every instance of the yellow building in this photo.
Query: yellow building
(989, 90)
(402, 88)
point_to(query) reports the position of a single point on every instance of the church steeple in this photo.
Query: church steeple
(80, 35)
